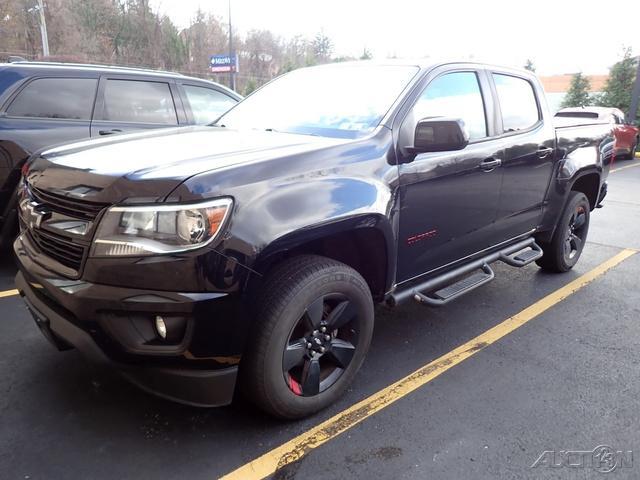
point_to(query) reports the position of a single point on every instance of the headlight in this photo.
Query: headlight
(158, 229)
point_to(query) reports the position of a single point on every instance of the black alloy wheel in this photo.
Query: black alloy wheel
(576, 233)
(562, 252)
(321, 345)
(311, 330)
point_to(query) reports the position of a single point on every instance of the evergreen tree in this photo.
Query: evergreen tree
(578, 93)
(617, 91)
(322, 47)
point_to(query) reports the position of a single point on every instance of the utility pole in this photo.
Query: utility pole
(635, 97)
(43, 30)
(234, 67)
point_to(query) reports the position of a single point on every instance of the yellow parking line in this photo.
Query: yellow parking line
(625, 167)
(8, 293)
(301, 445)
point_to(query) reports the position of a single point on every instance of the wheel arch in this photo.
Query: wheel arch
(364, 242)
(586, 180)
(589, 184)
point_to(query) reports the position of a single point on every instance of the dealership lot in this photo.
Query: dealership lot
(565, 380)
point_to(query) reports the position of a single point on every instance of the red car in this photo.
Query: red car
(627, 135)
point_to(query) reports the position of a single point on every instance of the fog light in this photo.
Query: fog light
(161, 327)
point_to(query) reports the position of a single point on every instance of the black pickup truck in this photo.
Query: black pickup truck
(251, 252)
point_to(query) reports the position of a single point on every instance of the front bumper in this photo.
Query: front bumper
(101, 321)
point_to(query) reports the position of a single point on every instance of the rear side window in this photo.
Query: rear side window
(207, 104)
(138, 101)
(455, 95)
(517, 102)
(65, 98)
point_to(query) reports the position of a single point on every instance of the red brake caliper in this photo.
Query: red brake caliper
(295, 386)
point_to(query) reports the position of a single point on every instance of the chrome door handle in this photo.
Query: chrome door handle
(544, 152)
(490, 163)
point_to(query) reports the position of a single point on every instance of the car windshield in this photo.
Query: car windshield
(346, 101)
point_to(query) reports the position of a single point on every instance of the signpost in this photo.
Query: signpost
(226, 63)
(223, 63)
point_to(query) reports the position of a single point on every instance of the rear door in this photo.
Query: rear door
(529, 140)
(449, 200)
(126, 104)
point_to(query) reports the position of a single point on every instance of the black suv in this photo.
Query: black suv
(43, 104)
(255, 248)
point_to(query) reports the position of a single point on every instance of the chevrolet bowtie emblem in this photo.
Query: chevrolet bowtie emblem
(33, 213)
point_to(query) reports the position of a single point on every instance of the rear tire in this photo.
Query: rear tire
(312, 329)
(567, 243)
(634, 149)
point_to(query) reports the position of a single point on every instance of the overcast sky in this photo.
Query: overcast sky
(560, 36)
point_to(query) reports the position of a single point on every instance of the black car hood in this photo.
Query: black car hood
(148, 166)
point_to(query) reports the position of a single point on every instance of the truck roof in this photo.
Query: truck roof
(425, 63)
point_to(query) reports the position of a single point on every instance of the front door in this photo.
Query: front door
(449, 200)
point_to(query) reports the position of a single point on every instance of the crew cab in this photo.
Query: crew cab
(46, 103)
(250, 253)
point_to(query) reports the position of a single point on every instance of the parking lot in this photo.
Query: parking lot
(560, 375)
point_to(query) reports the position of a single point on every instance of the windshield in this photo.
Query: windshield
(346, 101)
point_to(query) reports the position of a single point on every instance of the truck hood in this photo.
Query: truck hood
(148, 166)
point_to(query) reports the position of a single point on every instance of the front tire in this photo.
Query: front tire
(567, 243)
(312, 330)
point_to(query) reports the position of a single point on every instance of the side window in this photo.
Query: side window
(138, 101)
(456, 95)
(517, 102)
(207, 104)
(65, 98)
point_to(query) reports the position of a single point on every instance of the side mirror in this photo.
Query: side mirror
(439, 134)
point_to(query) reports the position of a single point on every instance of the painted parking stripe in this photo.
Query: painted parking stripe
(625, 167)
(8, 293)
(304, 443)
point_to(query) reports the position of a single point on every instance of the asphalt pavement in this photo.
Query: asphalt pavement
(565, 381)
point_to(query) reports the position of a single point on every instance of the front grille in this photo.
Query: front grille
(67, 205)
(58, 248)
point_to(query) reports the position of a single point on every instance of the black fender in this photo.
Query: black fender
(372, 234)
(286, 203)
(567, 180)
(298, 216)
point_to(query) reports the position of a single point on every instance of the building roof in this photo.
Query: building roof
(561, 83)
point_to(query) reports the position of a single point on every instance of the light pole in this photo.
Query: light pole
(635, 97)
(234, 67)
(43, 30)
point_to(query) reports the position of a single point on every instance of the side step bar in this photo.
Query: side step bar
(447, 287)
